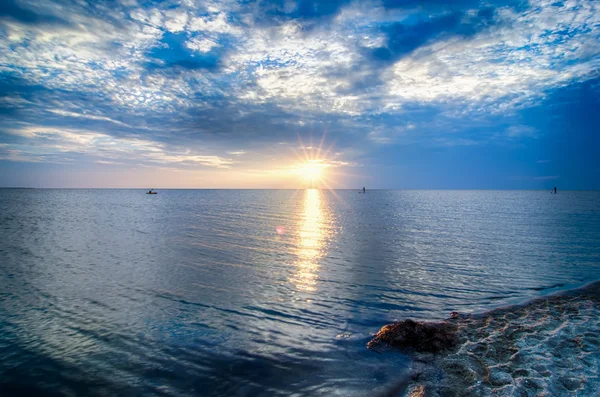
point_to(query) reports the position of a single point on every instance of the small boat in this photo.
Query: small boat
(151, 192)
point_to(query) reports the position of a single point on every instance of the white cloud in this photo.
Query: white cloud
(107, 148)
(87, 116)
(201, 45)
(214, 24)
(391, 134)
(176, 20)
(152, 17)
(509, 65)
(378, 136)
(289, 64)
(522, 131)
(515, 62)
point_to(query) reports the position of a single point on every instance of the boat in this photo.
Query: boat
(151, 192)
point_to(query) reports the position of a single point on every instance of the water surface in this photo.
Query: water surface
(257, 292)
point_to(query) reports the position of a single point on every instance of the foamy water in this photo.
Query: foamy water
(547, 347)
(241, 293)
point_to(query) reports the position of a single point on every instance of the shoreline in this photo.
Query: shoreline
(546, 345)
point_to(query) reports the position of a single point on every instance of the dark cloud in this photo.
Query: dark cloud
(308, 11)
(12, 10)
(405, 37)
(14, 86)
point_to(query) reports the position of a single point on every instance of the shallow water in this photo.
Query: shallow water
(240, 293)
(548, 346)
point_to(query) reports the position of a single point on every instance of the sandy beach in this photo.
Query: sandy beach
(549, 346)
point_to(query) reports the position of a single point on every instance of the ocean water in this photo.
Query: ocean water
(258, 292)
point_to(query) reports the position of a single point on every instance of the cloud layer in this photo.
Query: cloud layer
(205, 84)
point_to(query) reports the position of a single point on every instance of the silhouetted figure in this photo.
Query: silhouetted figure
(554, 189)
(365, 190)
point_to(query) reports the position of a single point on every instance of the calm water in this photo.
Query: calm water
(260, 293)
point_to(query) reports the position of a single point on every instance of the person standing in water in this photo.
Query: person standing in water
(554, 189)
(365, 190)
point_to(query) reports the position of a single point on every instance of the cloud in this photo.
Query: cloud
(390, 134)
(404, 37)
(9, 9)
(66, 113)
(521, 131)
(185, 80)
(201, 45)
(41, 140)
(176, 20)
(508, 65)
(308, 11)
(214, 23)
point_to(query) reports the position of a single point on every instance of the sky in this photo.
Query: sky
(415, 94)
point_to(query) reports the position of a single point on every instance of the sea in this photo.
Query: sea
(261, 292)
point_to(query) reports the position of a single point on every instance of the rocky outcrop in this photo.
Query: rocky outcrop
(549, 346)
(417, 336)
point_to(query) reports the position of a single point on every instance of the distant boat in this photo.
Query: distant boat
(151, 192)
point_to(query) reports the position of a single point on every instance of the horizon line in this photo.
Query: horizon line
(274, 188)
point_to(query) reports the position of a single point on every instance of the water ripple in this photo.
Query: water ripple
(238, 293)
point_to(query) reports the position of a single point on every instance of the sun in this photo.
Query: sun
(315, 166)
(311, 171)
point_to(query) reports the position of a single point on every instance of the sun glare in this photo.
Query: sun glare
(315, 167)
(311, 171)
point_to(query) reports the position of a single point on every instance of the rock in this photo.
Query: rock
(504, 391)
(499, 377)
(521, 373)
(418, 391)
(570, 384)
(417, 336)
(459, 369)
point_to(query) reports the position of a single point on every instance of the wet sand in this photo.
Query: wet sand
(547, 347)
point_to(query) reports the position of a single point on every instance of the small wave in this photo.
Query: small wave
(559, 285)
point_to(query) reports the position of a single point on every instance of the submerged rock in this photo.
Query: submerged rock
(417, 336)
(499, 378)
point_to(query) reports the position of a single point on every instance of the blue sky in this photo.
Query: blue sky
(385, 94)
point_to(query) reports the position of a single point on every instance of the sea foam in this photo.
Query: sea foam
(547, 347)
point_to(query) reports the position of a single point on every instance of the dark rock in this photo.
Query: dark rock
(417, 336)
(499, 377)
(418, 391)
(570, 384)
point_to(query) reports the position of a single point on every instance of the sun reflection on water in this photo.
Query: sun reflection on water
(312, 240)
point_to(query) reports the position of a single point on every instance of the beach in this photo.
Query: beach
(549, 346)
